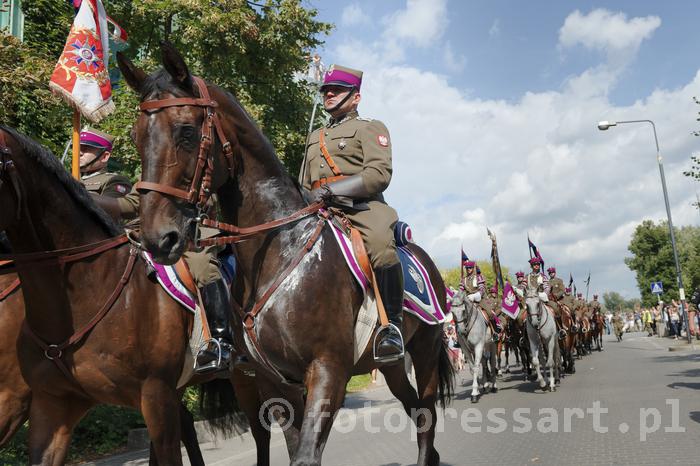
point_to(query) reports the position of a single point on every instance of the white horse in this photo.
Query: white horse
(541, 327)
(475, 337)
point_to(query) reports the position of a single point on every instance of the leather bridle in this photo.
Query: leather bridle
(199, 192)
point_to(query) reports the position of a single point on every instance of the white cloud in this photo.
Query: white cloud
(453, 62)
(422, 22)
(606, 31)
(353, 16)
(495, 29)
(537, 165)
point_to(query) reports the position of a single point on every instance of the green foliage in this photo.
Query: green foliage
(251, 51)
(652, 259)
(103, 431)
(452, 276)
(254, 52)
(25, 100)
(613, 301)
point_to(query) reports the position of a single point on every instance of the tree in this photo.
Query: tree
(452, 276)
(255, 51)
(652, 259)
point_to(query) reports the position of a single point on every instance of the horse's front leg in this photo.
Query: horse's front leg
(535, 357)
(51, 423)
(160, 406)
(476, 370)
(325, 384)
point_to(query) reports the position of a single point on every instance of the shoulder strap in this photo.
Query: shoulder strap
(326, 154)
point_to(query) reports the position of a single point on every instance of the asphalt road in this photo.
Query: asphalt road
(634, 403)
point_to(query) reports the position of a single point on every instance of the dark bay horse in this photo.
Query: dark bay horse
(301, 335)
(132, 356)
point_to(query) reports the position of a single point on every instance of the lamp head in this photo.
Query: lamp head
(604, 125)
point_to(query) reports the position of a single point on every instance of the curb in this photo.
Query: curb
(138, 438)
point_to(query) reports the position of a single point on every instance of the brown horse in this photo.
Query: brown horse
(131, 356)
(598, 324)
(567, 343)
(301, 337)
(15, 394)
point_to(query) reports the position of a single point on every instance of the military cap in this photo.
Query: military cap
(95, 138)
(342, 76)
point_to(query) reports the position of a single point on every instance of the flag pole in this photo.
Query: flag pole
(75, 166)
(588, 282)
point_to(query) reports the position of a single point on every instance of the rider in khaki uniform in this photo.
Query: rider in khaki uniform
(568, 300)
(556, 290)
(348, 164)
(595, 305)
(492, 305)
(95, 151)
(115, 194)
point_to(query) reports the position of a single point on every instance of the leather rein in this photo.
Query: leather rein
(60, 257)
(199, 193)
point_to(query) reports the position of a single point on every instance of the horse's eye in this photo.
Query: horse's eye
(187, 132)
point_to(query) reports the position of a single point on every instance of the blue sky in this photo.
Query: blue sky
(493, 105)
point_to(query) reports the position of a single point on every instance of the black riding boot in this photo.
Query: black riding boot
(215, 354)
(497, 329)
(390, 284)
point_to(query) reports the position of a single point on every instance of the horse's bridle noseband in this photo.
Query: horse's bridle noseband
(199, 191)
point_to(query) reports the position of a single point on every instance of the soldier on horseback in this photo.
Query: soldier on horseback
(556, 293)
(473, 283)
(116, 195)
(536, 281)
(492, 305)
(348, 164)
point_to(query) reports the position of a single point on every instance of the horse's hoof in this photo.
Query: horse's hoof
(552, 389)
(507, 371)
(475, 398)
(494, 390)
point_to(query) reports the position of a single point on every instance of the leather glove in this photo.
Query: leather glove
(543, 297)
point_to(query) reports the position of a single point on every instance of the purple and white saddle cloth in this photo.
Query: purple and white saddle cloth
(419, 294)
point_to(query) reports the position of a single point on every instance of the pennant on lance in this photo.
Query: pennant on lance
(81, 74)
(509, 303)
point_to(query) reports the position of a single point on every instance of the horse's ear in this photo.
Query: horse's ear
(133, 75)
(175, 65)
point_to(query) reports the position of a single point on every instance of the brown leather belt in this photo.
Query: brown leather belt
(331, 179)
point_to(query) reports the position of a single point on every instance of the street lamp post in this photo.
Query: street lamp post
(603, 126)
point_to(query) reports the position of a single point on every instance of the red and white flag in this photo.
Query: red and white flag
(81, 75)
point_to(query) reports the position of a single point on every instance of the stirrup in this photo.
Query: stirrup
(392, 357)
(214, 365)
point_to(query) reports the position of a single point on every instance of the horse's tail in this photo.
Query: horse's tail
(446, 375)
(219, 405)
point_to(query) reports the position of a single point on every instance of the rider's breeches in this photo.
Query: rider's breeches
(376, 226)
(204, 266)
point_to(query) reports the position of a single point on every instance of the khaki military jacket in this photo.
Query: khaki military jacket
(568, 301)
(556, 288)
(491, 304)
(107, 184)
(357, 146)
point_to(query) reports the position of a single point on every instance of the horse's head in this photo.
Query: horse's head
(179, 138)
(462, 310)
(533, 306)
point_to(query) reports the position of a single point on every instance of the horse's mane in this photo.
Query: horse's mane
(5, 247)
(76, 190)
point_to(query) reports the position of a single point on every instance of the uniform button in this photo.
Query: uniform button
(326, 133)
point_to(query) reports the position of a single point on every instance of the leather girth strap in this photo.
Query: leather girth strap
(358, 247)
(55, 352)
(8, 291)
